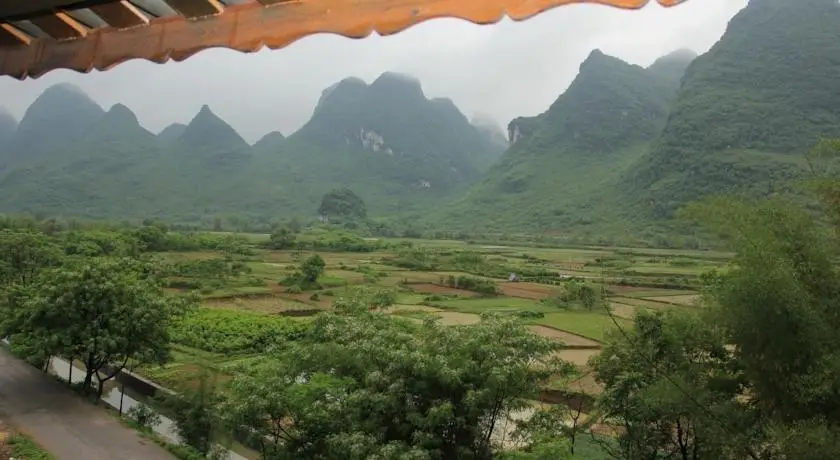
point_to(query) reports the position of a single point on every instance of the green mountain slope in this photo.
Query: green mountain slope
(101, 172)
(63, 112)
(561, 163)
(748, 109)
(171, 133)
(385, 141)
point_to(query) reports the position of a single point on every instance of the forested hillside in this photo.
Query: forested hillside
(386, 141)
(563, 162)
(748, 109)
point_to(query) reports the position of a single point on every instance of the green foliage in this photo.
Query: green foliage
(471, 283)
(366, 386)
(233, 332)
(587, 294)
(343, 204)
(107, 165)
(282, 238)
(101, 243)
(784, 285)
(23, 254)
(758, 96)
(358, 299)
(102, 311)
(24, 448)
(336, 240)
(196, 415)
(306, 277)
(562, 163)
(144, 416)
(673, 387)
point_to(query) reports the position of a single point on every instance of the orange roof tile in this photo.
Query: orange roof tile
(37, 36)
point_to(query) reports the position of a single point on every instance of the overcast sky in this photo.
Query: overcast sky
(505, 70)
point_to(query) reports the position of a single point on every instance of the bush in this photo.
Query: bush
(315, 296)
(294, 289)
(469, 283)
(527, 314)
(143, 415)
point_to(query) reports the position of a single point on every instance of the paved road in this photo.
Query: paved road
(67, 426)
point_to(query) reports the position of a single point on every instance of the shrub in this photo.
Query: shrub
(143, 416)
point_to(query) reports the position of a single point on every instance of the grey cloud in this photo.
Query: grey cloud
(505, 70)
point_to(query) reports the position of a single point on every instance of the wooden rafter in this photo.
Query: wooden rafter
(12, 36)
(60, 26)
(121, 14)
(196, 8)
(246, 27)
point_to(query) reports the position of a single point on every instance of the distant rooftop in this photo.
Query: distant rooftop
(37, 36)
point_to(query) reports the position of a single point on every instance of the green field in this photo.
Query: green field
(241, 313)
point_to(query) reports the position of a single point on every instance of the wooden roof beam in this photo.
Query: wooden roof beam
(11, 36)
(121, 14)
(60, 26)
(197, 8)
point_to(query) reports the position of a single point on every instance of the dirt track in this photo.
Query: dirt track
(61, 422)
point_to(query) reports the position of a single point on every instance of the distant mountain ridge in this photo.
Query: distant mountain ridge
(393, 145)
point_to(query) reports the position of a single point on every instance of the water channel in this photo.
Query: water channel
(116, 399)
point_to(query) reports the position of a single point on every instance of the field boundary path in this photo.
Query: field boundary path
(62, 422)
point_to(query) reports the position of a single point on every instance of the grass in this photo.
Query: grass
(591, 325)
(493, 304)
(630, 274)
(24, 448)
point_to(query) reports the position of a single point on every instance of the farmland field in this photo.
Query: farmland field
(452, 282)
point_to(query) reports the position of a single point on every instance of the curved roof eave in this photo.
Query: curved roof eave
(38, 36)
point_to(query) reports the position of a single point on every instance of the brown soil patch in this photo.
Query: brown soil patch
(437, 289)
(451, 318)
(576, 357)
(567, 338)
(528, 290)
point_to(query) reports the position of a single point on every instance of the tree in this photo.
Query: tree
(278, 413)
(152, 237)
(672, 386)
(358, 299)
(369, 386)
(312, 268)
(102, 311)
(282, 238)
(196, 414)
(779, 304)
(342, 202)
(23, 254)
(294, 225)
